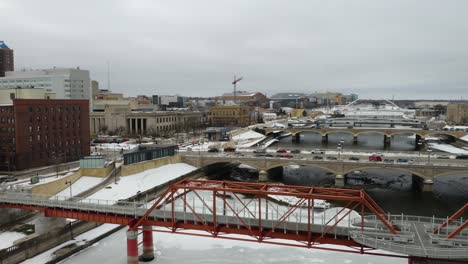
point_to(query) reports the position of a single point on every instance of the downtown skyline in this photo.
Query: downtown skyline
(397, 49)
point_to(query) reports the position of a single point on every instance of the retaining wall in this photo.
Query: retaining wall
(147, 165)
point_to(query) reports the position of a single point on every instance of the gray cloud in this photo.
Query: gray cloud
(405, 48)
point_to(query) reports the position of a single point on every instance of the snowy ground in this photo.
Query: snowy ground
(177, 249)
(129, 185)
(84, 183)
(448, 148)
(115, 146)
(79, 240)
(465, 138)
(7, 238)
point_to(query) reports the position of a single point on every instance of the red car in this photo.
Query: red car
(229, 149)
(288, 156)
(281, 151)
(375, 157)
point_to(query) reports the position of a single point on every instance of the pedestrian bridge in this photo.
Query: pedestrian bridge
(427, 171)
(257, 212)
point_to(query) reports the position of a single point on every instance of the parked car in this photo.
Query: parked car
(259, 151)
(269, 155)
(296, 151)
(462, 157)
(354, 158)
(213, 150)
(281, 151)
(331, 158)
(443, 157)
(7, 179)
(317, 151)
(229, 149)
(405, 160)
(388, 160)
(375, 157)
(289, 156)
(318, 158)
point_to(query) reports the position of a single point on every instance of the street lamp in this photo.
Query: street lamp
(339, 151)
(419, 147)
(70, 183)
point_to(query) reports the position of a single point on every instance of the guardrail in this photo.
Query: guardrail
(375, 242)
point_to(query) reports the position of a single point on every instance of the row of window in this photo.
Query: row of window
(52, 109)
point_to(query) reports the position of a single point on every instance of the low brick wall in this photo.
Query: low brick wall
(147, 165)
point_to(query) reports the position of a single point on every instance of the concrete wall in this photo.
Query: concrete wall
(53, 238)
(52, 188)
(97, 172)
(147, 165)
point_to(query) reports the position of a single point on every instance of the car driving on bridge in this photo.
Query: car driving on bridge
(281, 151)
(317, 151)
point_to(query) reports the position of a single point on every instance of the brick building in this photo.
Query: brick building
(6, 59)
(230, 116)
(41, 132)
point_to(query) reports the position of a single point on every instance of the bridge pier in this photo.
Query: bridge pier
(325, 139)
(339, 180)
(132, 247)
(387, 141)
(418, 140)
(262, 176)
(296, 138)
(427, 186)
(355, 140)
(148, 249)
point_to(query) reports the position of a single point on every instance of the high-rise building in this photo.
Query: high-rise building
(6, 59)
(60, 83)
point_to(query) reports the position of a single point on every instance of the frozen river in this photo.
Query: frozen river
(177, 249)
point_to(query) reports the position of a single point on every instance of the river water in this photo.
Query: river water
(395, 191)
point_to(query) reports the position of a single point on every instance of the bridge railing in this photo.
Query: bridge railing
(377, 242)
(105, 206)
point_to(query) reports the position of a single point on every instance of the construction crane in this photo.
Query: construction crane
(236, 80)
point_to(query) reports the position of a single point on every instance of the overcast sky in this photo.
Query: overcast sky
(377, 49)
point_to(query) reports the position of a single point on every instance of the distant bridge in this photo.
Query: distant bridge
(355, 132)
(424, 170)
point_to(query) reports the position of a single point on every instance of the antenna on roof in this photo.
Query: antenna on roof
(108, 76)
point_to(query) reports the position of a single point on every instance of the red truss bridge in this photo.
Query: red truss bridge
(266, 213)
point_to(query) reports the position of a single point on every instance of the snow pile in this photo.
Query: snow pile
(248, 139)
(465, 138)
(7, 238)
(248, 136)
(448, 148)
(84, 183)
(278, 125)
(294, 200)
(116, 146)
(130, 185)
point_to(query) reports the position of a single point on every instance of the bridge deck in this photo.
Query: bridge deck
(257, 218)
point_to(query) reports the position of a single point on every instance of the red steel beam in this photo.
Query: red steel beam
(458, 230)
(451, 218)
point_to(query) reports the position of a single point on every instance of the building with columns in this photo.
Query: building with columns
(120, 118)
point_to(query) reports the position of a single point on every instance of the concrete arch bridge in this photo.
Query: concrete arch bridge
(355, 132)
(427, 172)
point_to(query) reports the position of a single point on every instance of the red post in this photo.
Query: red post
(132, 247)
(148, 249)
